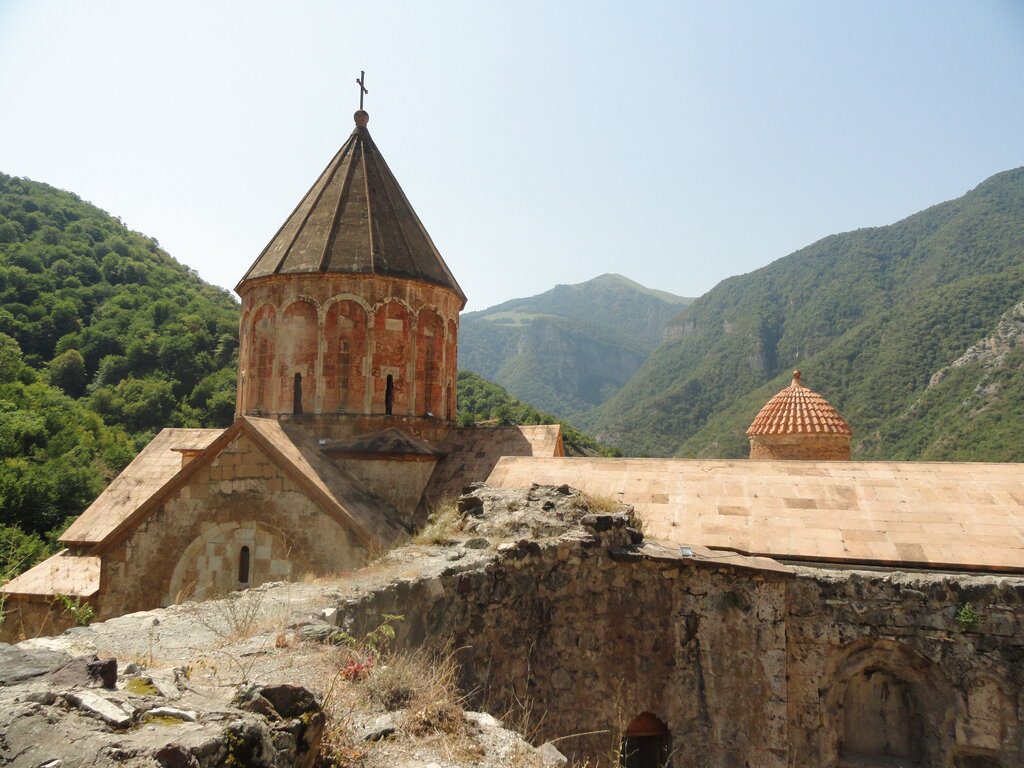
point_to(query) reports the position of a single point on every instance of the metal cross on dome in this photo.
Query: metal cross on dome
(361, 82)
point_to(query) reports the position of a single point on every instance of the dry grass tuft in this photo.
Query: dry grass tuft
(604, 505)
(442, 525)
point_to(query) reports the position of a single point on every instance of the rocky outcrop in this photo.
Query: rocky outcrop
(559, 616)
(992, 350)
(59, 711)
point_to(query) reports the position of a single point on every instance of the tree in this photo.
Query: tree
(67, 371)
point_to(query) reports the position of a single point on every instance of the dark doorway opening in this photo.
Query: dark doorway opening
(297, 394)
(389, 395)
(243, 566)
(645, 743)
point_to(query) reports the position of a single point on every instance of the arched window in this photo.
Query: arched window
(389, 394)
(243, 565)
(645, 743)
(297, 394)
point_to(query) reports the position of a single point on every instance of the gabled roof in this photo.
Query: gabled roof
(946, 515)
(375, 521)
(150, 471)
(61, 574)
(355, 220)
(797, 410)
(152, 477)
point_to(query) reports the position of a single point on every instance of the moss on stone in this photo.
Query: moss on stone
(141, 686)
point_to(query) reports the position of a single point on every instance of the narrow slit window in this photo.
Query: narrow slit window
(243, 565)
(297, 394)
(389, 395)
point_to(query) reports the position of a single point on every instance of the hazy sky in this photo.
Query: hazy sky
(541, 143)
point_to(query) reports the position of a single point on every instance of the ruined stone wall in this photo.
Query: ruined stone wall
(800, 447)
(906, 664)
(192, 545)
(335, 339)
(813, 669)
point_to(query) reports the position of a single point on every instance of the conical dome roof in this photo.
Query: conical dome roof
(798, 410)
(355, 219)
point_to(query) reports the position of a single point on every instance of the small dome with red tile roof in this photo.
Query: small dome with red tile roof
(797, 410)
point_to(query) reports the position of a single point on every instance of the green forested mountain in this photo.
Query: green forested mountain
(871, 316)
(109, 315)
(570, 348)
(104, 339)
(482, 401)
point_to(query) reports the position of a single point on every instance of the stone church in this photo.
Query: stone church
(344, 430)
(793, 564)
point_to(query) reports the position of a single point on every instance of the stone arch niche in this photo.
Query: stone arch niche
(392, 355)
(212, 564)
(297, 351)
(261, 349)
(645, 743)
(430, 372)
(345, 363)
(986, 723)
(886, 703)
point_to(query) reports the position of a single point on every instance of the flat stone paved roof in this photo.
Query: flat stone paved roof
(958, 516)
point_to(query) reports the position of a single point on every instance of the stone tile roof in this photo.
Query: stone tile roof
(355, 219)
(959, 516)
(61, 574)
(155, 465)
(472, 452)
(798, 410)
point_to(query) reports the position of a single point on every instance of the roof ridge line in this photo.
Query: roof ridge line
(423, 229)
(330, 171)
(342, 200)
(245, 275)
(369, 205)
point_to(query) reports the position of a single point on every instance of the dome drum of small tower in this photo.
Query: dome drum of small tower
(798, 423)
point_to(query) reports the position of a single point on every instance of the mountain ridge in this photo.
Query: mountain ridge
(566, 349)
(869, 314)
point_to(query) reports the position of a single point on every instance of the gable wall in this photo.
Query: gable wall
(190, 545)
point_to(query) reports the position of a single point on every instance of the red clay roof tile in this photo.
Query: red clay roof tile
(797, 410)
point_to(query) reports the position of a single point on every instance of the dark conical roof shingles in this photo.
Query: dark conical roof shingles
(355, 219)
(797, 410)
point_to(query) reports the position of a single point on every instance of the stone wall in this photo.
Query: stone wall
(192, 545)
(803, 668)
(342, 336)
(800, 447)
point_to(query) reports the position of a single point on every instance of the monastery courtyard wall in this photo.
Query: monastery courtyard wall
(746, 665)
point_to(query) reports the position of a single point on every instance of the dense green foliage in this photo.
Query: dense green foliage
(104, 339)
(482, 401)
(107, 314)
(569, 348)
(870, 315)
